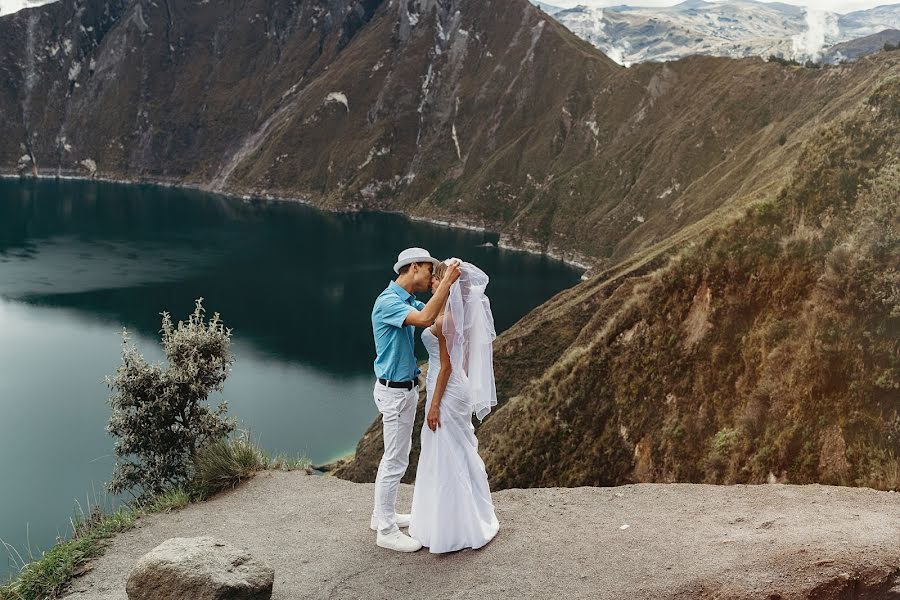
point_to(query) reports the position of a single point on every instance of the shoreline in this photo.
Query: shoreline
(580, 263)
(334, 462)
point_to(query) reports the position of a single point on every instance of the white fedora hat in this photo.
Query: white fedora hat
(413, 255)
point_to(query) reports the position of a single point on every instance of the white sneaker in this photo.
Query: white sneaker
(398, 541)
(402, 520)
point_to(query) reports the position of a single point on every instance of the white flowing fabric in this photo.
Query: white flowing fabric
(469, 330)
(452, 507)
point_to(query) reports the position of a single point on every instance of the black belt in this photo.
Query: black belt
(407, 385)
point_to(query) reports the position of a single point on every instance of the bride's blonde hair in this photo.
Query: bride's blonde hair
(439, 270)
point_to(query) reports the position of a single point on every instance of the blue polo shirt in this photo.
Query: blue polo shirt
(395, 357)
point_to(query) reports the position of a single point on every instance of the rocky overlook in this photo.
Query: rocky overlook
(676, 542)
(741, 324)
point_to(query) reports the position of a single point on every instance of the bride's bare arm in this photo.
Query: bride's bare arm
(434, 413)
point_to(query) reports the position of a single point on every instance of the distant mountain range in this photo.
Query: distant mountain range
(736, 29)
(861, 46)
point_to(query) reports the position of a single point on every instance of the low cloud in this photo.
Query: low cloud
(809, 44)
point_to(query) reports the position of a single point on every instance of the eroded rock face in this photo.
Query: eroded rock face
(198, 569)
(483, 113)
(24, 165)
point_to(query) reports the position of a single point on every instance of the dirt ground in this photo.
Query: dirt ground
(638, 541)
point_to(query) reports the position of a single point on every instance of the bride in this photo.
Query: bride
(452, 507)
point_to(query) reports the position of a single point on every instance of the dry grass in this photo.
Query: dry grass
(794, 371)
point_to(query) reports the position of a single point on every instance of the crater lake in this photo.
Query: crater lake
(80, 261)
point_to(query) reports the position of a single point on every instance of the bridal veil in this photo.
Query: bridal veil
(469, 331)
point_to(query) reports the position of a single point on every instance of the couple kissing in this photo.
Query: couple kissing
(451, 507)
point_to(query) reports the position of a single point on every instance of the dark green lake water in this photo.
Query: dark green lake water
(79, 261)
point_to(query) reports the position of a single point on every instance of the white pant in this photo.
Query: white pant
(398, 412)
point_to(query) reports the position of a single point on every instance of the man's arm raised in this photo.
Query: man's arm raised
(426, 316)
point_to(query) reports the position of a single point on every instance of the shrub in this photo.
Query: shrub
(225, 462)
(159, 414)
(785, 62)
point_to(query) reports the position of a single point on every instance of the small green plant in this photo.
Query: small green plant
(225, 462)
(172, 499)
(159, 415)
(291, 463)
(46, 576)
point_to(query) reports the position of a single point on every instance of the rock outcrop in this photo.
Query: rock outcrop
(199, 568)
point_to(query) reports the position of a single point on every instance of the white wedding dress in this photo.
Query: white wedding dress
(451, 507)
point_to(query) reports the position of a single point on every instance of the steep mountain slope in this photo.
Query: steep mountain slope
(344, 103)
(738, 28)
(489, 114)
(768, 348)
(771, 348)
(871, 21)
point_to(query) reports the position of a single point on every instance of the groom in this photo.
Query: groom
(395, 316)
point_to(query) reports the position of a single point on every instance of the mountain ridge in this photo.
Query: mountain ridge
(571, 132)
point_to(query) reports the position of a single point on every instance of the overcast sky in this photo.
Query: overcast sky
(841, 6)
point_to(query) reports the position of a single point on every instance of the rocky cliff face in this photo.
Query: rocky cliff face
(765, 350)
(489, 113)
(742, 319)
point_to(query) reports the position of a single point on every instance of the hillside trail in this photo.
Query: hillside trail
(675, 541)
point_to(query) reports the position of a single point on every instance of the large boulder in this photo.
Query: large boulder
(201, 568)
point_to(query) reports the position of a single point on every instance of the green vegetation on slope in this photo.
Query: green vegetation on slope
(772, 347)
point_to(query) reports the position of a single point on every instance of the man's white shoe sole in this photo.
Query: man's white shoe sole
(406, 547)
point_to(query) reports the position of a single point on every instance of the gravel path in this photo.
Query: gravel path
(681, 541)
